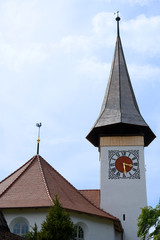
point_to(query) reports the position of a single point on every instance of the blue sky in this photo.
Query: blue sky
(55, 59)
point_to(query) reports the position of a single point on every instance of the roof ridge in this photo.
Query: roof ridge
(17, 170)
(45, 183)
(7, 187)
(60, 175)
(106, 96)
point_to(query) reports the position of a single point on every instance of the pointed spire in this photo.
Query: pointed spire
(119, 114)
(38, 140)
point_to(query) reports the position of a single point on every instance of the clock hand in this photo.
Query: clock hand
(124, 167)
(130, 165)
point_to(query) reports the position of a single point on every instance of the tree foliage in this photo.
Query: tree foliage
(57, 226)
(149, 219)
(34, 234)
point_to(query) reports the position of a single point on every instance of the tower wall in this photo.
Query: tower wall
(123, 196)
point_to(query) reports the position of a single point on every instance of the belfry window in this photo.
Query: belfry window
(79, 233)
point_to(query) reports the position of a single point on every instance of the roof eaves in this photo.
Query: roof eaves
(116, 221)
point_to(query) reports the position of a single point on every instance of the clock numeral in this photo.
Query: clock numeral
(114, 170)
(134, 169)
(134, 158)
(117, 154)
(124, 176)
(118, 174)
(112, 164)
(123, 153)
(135, 164)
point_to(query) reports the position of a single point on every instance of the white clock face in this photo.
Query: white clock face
(124, 164)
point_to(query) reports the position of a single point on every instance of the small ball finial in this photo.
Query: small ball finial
(118, 17)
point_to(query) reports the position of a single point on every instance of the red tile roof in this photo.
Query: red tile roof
(36, 183)
(92, 195)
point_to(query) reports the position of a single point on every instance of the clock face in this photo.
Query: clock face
(124, 164)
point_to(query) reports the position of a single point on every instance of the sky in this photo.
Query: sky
(55, 59)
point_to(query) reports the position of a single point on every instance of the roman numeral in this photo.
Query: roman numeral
(123, 153)
(117, 154)
(135, 164)
(112, 164)
(134, 169)
(114, 170)
(118, 174)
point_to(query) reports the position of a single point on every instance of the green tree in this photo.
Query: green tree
(34, 234)
(149, 219)
(58, 225)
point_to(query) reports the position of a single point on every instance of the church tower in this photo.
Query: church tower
(121, 134)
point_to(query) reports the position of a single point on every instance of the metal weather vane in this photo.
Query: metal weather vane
(38, 140)
(117, 19)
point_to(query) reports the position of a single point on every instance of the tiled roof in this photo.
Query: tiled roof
(36, 183)
(92, 195)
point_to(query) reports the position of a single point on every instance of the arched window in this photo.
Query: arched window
(79, 233)
(19, 226)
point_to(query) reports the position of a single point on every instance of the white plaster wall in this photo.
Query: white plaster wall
(35, 215)
(118, 236)
(123, 196)
(95, 228)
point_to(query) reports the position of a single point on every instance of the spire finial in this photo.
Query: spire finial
(117, 19)
(38, 140)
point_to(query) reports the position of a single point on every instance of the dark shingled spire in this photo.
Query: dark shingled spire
(120, 115)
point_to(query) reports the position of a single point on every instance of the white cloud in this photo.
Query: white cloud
(140, 2)
(94, 68)
(138, 33)
(72, 43)
(103, 27)
(16, 57)
(145, 73)
(20, 19)
(132, 2)
(103, 22)
(142, 34)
